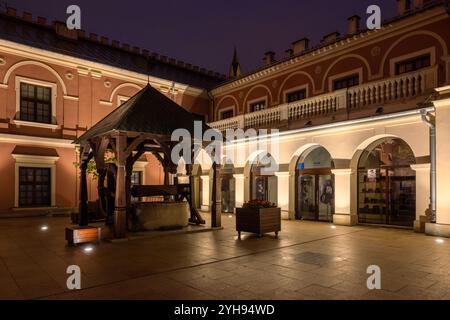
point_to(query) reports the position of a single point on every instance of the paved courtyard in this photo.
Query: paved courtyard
(309, 261)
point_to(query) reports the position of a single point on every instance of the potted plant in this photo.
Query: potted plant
(258, 216)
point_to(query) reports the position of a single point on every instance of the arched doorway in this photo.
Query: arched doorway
(315, 185)
(228, 184)
(263, 184)
(387, 184)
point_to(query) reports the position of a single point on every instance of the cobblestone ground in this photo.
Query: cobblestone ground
(309, 261)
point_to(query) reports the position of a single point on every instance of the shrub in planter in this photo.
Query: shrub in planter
(258, 217)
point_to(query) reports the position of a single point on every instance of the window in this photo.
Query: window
(257, 106)
(35, 103)
(136, 179)
(34, 187)
(296, 95)
(227, 114)
(413, 64)
(346, 82)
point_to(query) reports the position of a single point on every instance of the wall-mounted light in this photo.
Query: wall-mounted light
(44, 228)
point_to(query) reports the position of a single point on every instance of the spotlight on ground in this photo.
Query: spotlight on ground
(439, 241)
(44, 228)
(88, 249)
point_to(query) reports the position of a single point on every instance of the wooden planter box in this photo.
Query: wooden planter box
(258, 221)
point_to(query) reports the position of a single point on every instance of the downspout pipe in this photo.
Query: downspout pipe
(429, 120)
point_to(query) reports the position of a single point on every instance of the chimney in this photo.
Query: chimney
(269, 58)
(93, 36)
(62, 31)
(41, 20)
(289, 53)
(300, 46)
(354, 24)
(11, 11)
(27, 16)
(330, 38)
(104, 40)
(403, 6)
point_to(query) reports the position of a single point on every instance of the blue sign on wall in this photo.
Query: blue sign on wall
(301, 166)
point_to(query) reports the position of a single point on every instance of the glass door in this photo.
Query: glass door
(325, 191)
(307, 197)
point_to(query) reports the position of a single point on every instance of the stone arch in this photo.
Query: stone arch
(36, 63)
(120, 86)
(270, 98)
(280, 91)
(335, 62)
(301, 152)
(354, 162)
(251, 160)
(415, 33)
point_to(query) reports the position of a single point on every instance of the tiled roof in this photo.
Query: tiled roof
(149, 111)
(44, 36)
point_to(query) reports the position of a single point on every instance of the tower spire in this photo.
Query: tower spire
(235, 67)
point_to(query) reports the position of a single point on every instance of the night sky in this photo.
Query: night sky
(204, 32)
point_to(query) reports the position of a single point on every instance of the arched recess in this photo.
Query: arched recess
(266, 88)
(311, 85)
(408, 35)
(220, 106)
(123, 85)
(260, 159)
(36, 63)
(311, 184)
(347, 56)
(382, 182)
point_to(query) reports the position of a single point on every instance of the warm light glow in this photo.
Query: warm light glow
(44, 228)
(439, 241)
(88, 249)
(333, 227)
(230, 216)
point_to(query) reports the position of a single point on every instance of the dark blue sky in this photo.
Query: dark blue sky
(204, 32)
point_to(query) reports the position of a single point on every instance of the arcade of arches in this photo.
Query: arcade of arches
(376, 172)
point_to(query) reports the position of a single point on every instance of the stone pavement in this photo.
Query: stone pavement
(310, 260)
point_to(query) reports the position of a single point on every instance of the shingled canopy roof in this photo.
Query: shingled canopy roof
(149, 111)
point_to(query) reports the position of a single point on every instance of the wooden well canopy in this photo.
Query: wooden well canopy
(144, 123)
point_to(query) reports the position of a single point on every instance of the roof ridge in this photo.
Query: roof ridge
(82, 34)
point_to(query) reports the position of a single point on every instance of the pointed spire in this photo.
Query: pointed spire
(235, 68)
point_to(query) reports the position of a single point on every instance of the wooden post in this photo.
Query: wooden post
(83, 219)
(120, 212)
(216, 203)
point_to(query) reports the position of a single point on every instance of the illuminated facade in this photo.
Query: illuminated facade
(354, 145)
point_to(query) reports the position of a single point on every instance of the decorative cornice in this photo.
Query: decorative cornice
(352, 43)
(93, 69)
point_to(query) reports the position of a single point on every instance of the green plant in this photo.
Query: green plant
(110, 157)
(259, 204)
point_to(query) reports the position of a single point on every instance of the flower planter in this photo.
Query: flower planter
(259, 221)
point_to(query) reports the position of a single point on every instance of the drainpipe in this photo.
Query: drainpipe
(429, 120)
